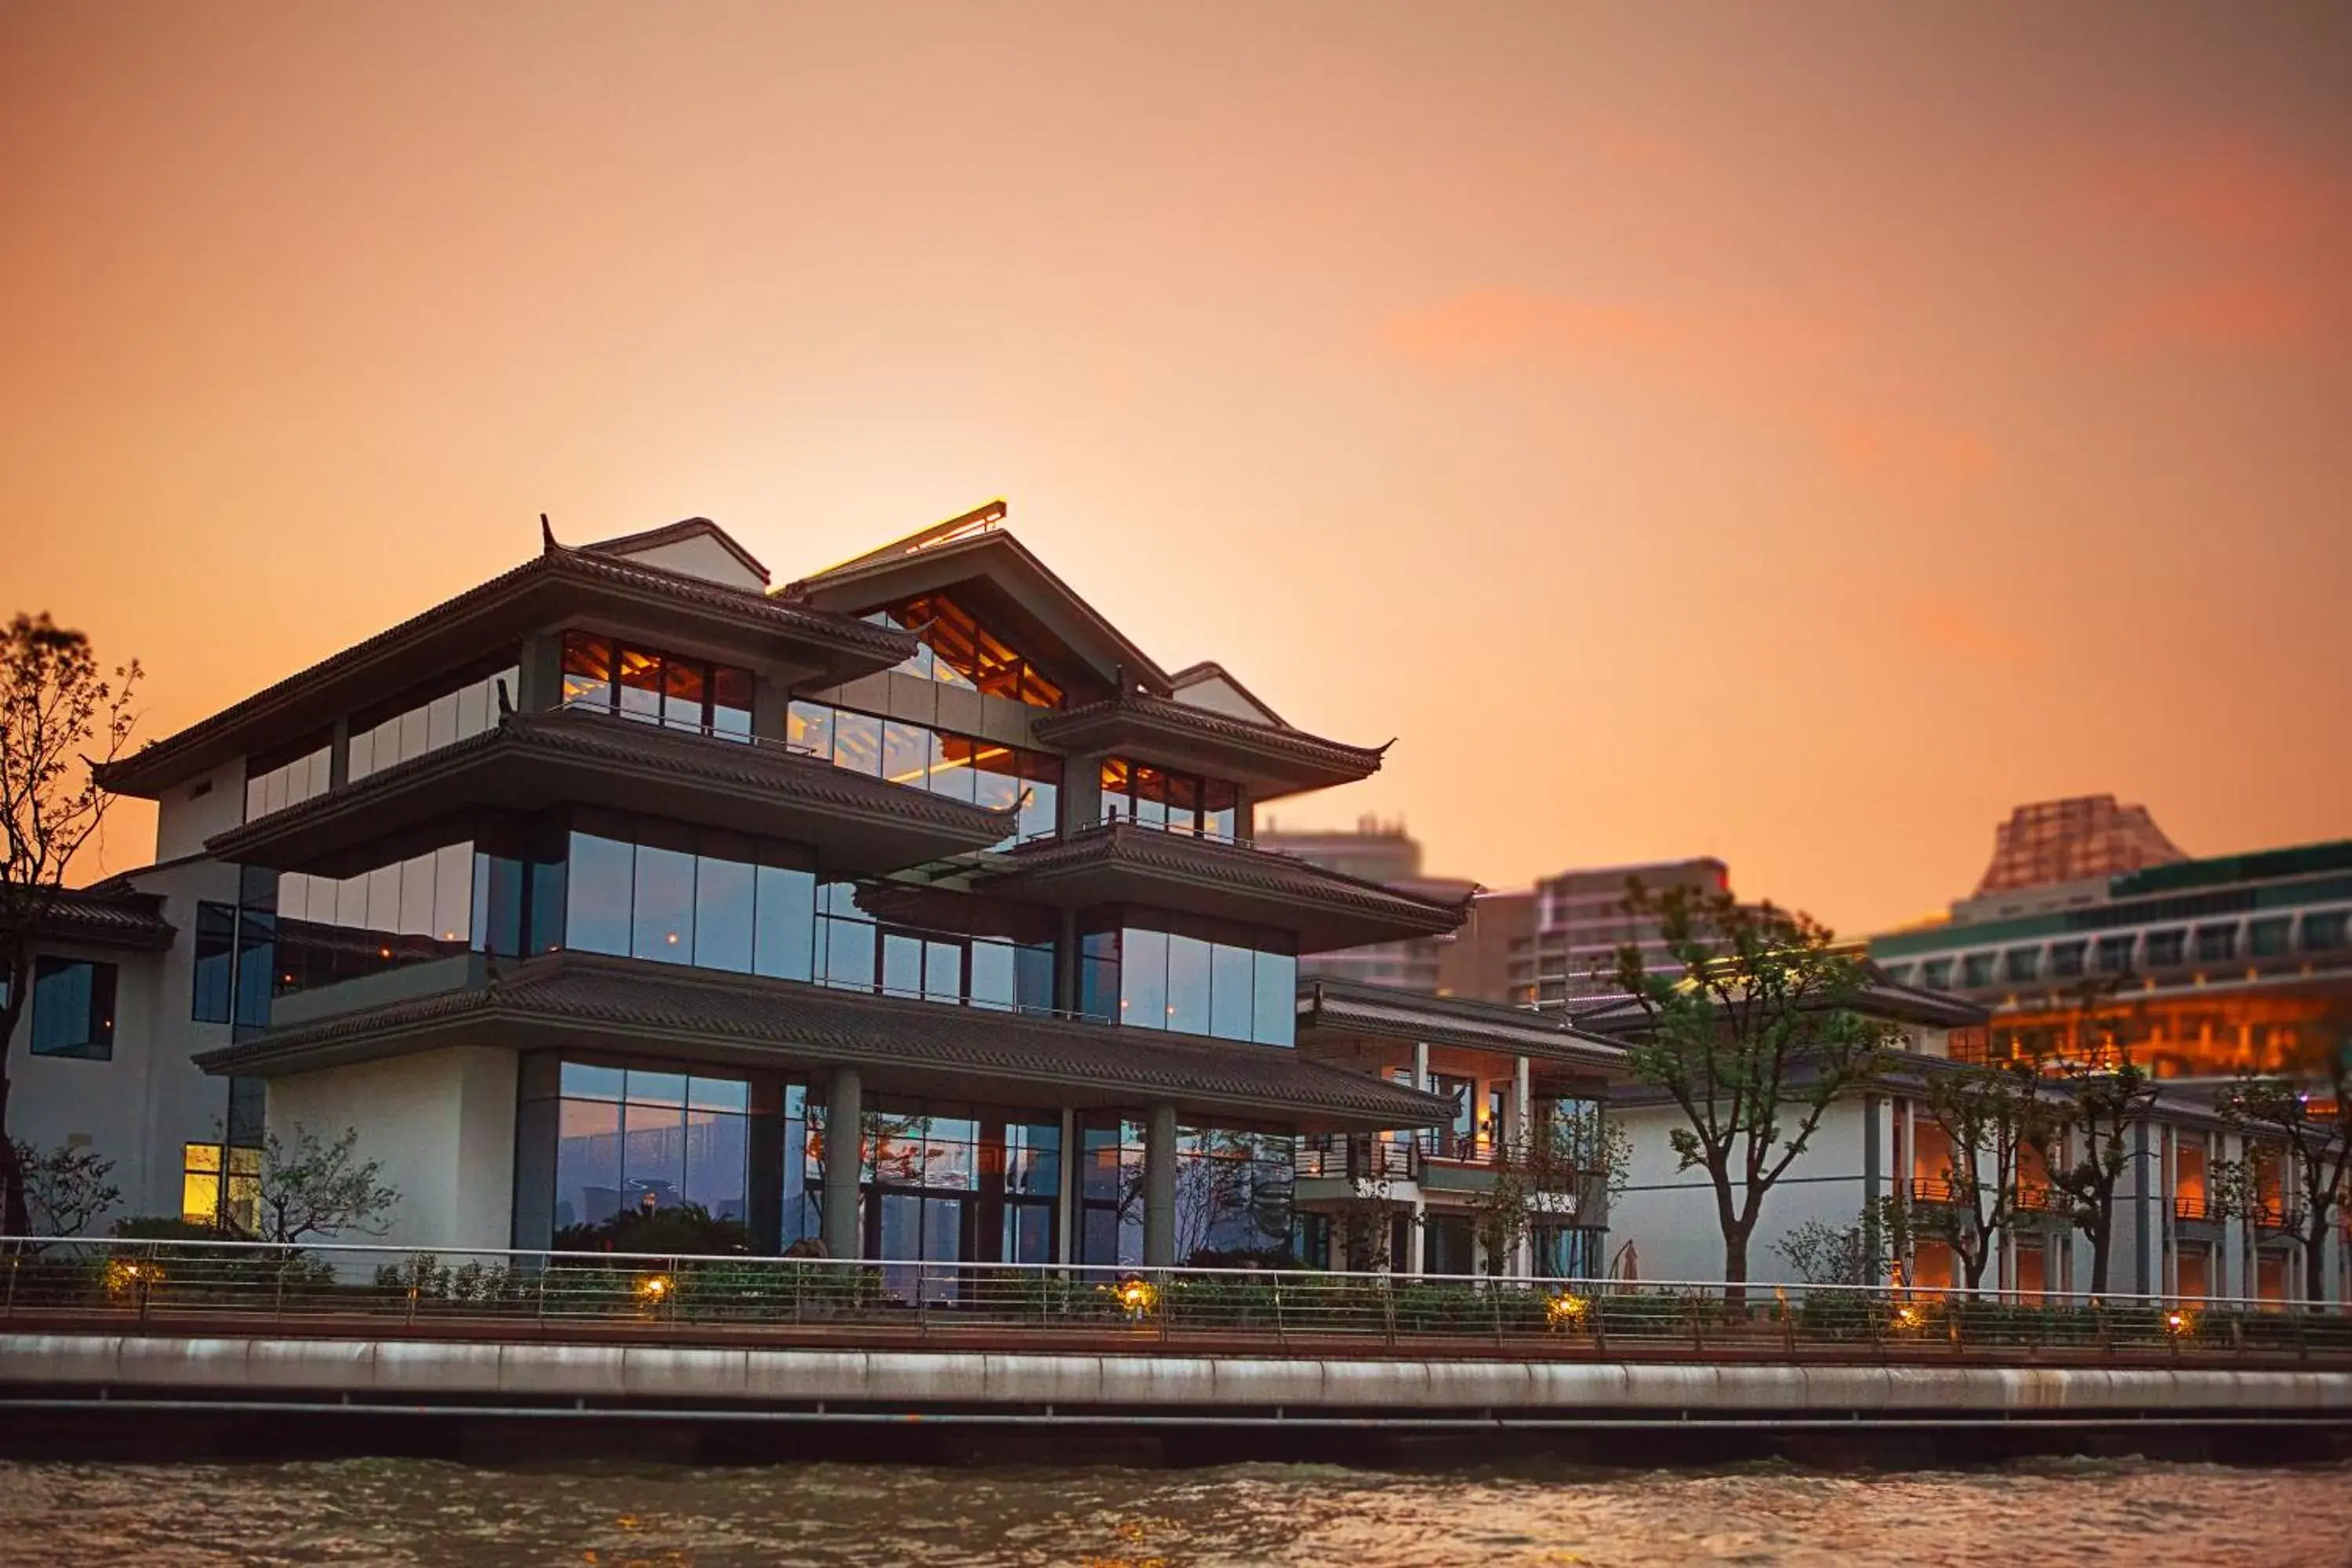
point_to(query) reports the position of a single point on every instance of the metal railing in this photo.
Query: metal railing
(1362, 1157)
(111, 1286)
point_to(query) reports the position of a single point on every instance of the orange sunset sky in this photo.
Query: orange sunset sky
(1797, 433)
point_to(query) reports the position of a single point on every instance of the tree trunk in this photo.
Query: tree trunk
(1735, 1264)
(15, 1216)
(2314, 1261)
(2099, 1249)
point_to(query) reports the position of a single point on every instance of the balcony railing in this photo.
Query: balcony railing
(381, 1292)
(1360, 1157)
(1934, 1190)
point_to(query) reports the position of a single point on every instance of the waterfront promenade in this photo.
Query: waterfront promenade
(94, 1331)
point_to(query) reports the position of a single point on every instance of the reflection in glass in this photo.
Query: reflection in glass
(785, 922)
(1232, 986)
(1188, 984)
(602, 873)
(723, 915)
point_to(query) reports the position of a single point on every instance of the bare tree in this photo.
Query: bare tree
(2102, 1098)
(59, 715)
(309, 1187)
(65, 1188)
(1987, 1114)
(2314, 1143)
(1752, 1036)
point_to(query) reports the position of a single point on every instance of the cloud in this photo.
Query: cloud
(1944, 625)
(1803, 375)
(2246, 312)
(2242, 246)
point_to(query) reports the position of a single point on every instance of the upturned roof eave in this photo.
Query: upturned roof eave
(507, 605)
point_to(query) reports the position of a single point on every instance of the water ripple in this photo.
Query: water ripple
(616, 1516)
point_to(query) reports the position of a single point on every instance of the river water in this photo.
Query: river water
(2056, 1513)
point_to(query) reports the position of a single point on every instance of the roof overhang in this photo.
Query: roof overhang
(1123, 863)
(1011, 580)
(1268, 760)
(797, 643)
(1345, 1010)
(856, 825)
(577, 1003)
(132, 920)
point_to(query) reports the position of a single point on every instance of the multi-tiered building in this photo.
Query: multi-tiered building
(622, 879)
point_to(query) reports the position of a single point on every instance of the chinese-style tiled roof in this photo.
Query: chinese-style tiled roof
(1206, 669)
(1123, 862)
(104, 916)
(676, 533)
(1274, 761)
(1345, 1009)
(530, 759)
(1880, 998)
(971, 547)
(580, 1002)
(536, 593)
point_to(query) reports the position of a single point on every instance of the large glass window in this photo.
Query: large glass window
(215, 964)
(1155, 797)
(441, 720)
(1203, 980)
(1233, 1192)
(938, 1182)
(639, 1140)
(977, 954)
(960, 650)
(608, 675)
(328, 929)
(2326, 932)
(287, 783)
(73, 1008)
(712, 905)
(962, 767)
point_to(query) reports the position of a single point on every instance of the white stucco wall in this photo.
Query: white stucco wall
(440, 1124)
(138, 1108)
(1670, 1216)
(702, 556)
(189, 813)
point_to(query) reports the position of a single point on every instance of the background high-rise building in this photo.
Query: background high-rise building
(2054, 841)
(1534, 947)
(1382, 852)
(2218, 964)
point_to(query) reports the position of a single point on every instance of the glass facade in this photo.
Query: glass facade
(606, 675)
(1232, 1191)
(73, 1008)
(628, 1139)
(940, 1182)
(287, 783)
(457, 714)
(959, 650)
(1176, 802)
(978, 772)
(1199, 980)
(215, 968)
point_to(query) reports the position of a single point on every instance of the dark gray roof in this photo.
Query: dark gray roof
(467, 625)
(1344, 1009)
(677, 533)
(105, 917)
(528, 760)
(582, 1002)
(1273, 760)
(1123, 862)
(1880, 998)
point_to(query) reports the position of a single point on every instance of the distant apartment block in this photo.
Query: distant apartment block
(2222, 962)
(1382, 852)
(2053, 843)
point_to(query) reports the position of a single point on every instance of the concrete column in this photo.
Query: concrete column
(1420, 1066)
(1160, 1188)
(1065, 1202)
(844, 1133)
(1522, 1102)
